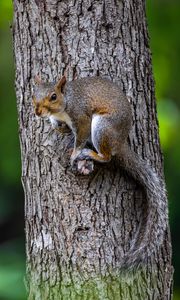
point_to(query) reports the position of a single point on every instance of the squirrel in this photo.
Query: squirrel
(97, 108)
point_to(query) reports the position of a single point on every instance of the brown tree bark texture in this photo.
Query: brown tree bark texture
(79, 227)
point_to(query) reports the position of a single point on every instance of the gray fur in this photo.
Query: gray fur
(43, 90)
(153, 225)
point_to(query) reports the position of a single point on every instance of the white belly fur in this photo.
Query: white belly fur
(94, 125)
(97, 122)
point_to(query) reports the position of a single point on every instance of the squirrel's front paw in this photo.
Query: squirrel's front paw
(80, 161)
(85, 167)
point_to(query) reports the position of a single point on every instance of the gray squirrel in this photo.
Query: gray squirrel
(96, 107)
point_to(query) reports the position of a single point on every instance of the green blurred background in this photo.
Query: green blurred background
(164, 26)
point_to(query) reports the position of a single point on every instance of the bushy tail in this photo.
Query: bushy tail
(154, 222)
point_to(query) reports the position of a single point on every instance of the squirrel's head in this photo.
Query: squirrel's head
(48, 97)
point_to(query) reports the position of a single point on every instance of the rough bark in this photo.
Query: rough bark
(79, 227)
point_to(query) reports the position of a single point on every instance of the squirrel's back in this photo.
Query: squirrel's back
(95, 93)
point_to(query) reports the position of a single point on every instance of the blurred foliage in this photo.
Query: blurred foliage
(12, 271)
(12, 252)
(164, 23)
(9, 151)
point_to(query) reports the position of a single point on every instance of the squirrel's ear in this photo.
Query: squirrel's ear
(61, 83)
(37, 80)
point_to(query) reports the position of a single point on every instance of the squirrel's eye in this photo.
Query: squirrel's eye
(53, 97)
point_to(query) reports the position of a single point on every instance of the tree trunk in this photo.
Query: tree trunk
(79, 227)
